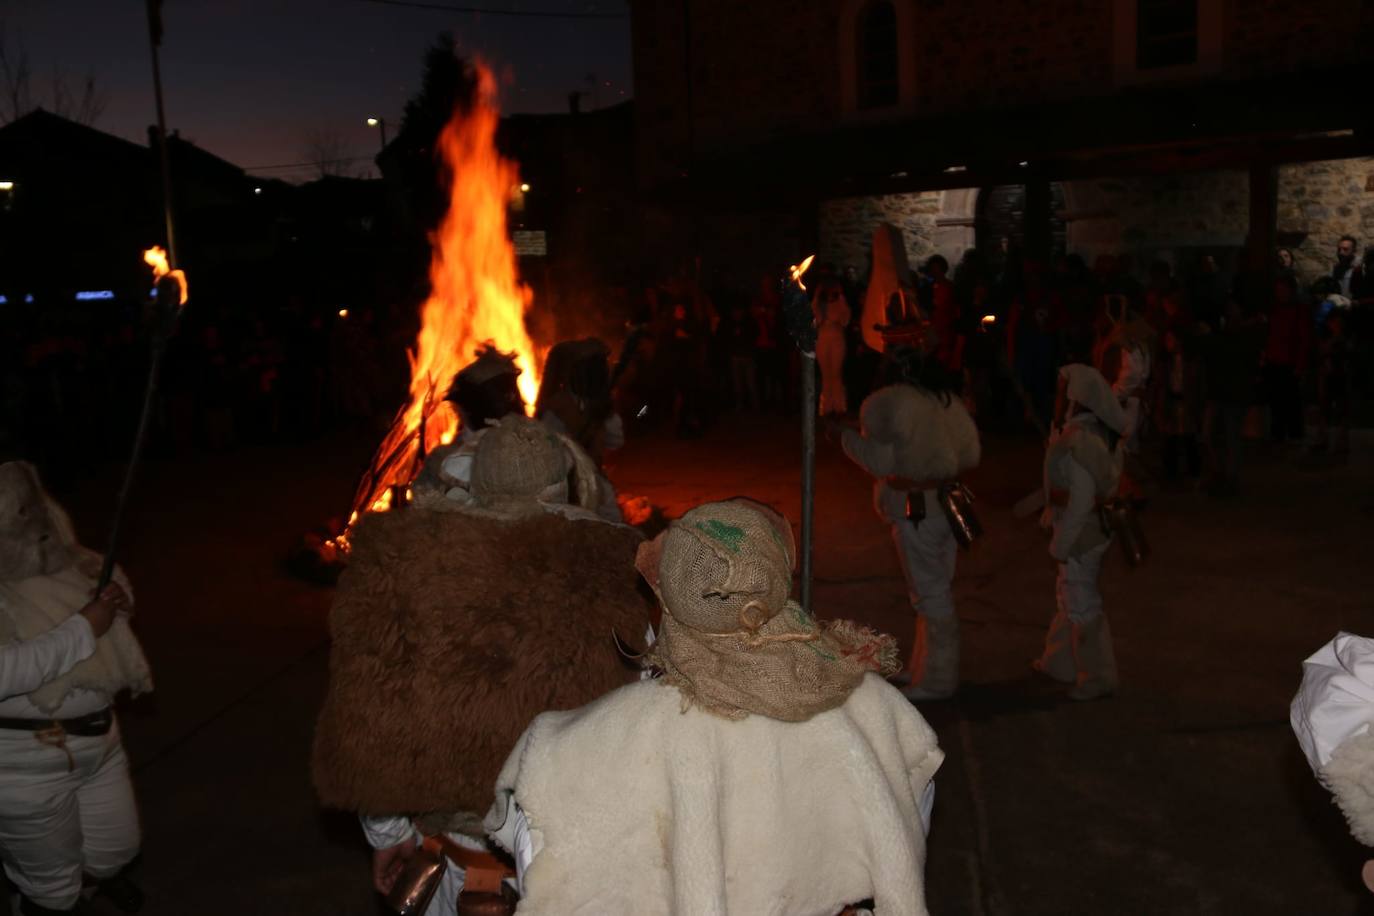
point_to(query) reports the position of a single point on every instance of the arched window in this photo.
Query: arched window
(876, 44)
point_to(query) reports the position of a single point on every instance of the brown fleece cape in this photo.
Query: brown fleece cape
(450, 633)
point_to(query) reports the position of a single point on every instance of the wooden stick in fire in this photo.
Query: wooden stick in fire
(171, 296)
(801, 324)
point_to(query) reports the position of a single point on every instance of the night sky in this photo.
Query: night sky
(250, 80)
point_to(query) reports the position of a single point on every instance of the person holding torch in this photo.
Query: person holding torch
(66, 802)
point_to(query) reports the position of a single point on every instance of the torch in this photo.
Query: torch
(169, 296)
(801, 324)
(169, 293)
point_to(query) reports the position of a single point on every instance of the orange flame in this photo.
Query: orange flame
(799, 269)
(475, 297)
(156, 258)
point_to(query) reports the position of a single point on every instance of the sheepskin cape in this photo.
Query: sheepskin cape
(450, 633)
(914, 434)
(1349, 774)
(639, 808)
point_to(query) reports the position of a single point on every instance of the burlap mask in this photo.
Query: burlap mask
(731, 641)
(518, 464)
(35, 535)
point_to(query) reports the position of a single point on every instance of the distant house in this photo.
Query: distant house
(1157, 128)
(78, 206)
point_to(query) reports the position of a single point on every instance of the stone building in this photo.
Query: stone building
(1164, 129)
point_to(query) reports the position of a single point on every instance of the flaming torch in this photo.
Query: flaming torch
(170, 294)
(801, 324)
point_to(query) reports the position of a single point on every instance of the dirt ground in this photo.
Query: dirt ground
(1184, 794)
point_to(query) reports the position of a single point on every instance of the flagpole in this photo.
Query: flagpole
(801, 324)
(166, 308)
(155, 41)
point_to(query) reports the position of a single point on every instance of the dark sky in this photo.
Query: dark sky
(250, 80)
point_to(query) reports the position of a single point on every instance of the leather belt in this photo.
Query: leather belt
(91, 725)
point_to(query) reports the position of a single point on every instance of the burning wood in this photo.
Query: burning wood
(475, 297)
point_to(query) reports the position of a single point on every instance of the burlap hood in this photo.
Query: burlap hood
(450, 633)
(515, 469)
(731, 641)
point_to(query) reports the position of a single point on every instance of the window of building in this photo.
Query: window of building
(1166, 34)
(1167, 41)
(879, 83)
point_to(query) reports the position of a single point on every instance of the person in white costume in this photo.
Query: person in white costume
(1332, 716)
(769, 769)
(915, 438)
(1082, 471)
(66, 803)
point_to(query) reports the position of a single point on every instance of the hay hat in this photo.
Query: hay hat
(1090, 390)
(731, 641)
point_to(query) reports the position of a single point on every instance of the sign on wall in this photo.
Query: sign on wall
(532, 243)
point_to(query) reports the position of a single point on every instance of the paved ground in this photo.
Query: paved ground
(1185, 794)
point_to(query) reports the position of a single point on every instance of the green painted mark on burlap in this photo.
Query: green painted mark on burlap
(806, 621)
(729, 535)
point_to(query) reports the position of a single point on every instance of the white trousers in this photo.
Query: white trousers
(1075, 588)
(928, 553)
(56, 824)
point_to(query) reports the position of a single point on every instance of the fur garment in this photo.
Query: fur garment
(639, 808)
(450, 633)
(911, 433)
(1349, 774)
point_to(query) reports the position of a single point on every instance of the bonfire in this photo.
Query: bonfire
(475, 297)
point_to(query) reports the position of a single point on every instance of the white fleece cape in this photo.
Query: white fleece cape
(637, 806)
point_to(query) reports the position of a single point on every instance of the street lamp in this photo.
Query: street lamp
(379, 122)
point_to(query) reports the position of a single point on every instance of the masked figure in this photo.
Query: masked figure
(768, 770)
(916, 439)
(456, 623)
(1082, 471)
(66, 802)
(575, 401)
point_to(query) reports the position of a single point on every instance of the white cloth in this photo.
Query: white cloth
(1077, 461)
(1336, 700)
(1077, 542)
(25, 666)
(56, 824)
(637, 806)
(32, 607)
(1076, 588)
(928, 553)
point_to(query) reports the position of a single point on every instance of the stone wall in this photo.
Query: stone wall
(1147, 218)
(846, 227)
(1321, 201)
(1159, 217)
